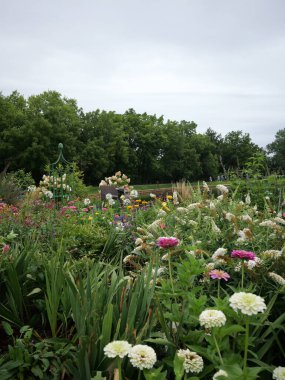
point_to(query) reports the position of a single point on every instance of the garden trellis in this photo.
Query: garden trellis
(61, 177)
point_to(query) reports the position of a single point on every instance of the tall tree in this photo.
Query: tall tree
(277, 151)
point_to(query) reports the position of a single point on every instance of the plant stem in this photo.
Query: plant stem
(170, 274)
(217, 348)
(119, 368)
(242, 275)
(139, 378)
(246, 345)
(219, 287)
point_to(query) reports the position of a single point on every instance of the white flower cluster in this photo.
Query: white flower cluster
(219, 254)
(192, 362)
(277, 278)
(212, 318)
(32, 188)
(272, 253)
(118, 179)
(279, 373)
(86, 201)
(223, 189)
(247, 303)
(141, 356)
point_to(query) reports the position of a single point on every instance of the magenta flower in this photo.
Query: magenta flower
(218, 274)
(243, 255)
(6, 248)
(167, 242)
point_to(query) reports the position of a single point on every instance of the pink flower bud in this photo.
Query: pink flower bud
(6, 248)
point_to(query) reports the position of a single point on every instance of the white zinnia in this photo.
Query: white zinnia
(247, 303)
(279, 373)
(220, 373)
(212, 318)
(86, 201)
(192, 362)
(142, 356)
(117, 348)
(108, 196)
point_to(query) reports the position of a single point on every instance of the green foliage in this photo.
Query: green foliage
(146, 147)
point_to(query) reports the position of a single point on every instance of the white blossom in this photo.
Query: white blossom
(279, 373)
(192, 362)
(212, 318)
(117, 348)
(142, 356)
(247, 303)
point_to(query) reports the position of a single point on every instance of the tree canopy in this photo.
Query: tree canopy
(147, 147)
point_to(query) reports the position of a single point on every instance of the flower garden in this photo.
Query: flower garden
(184, 286)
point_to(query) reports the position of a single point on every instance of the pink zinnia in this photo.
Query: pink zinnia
(6, 248)
(218, 274)
(243, 255)
(167, 242)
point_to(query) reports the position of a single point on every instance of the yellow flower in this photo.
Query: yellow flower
(138, 200)
(90, 218)
(136, 206)
(129, 207)
(169, 197)
(144, 202)
(96, 213)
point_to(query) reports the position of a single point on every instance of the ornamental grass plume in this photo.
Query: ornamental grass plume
(247, 303)
(247, 255)
(279, 373)
(212, 318)
(192, 362)
(142, 356)
(219, 274)
(167, 242)
(118, 348)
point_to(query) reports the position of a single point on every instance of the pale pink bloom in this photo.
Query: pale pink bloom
(243, 254)
(6, 248)
(219, 274)
(167, 242)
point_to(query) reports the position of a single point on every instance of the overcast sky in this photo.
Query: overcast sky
(220, 63)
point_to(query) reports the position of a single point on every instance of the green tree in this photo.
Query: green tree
(237, 147)
(276, 151)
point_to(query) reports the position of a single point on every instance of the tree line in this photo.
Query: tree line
(147, 148)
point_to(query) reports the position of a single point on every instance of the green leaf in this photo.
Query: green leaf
(98, 376)
(155, 374)
(7, 327)
(178, 368)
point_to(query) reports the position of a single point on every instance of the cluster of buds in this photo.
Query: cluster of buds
(48, 183)
(116, 180)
